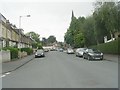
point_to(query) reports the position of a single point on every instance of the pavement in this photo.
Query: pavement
(111, 57)
(13, 65)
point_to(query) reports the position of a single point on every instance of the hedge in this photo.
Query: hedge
(109, 48)
(13, 52)
(28, 50)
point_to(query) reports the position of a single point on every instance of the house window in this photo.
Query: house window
(1, 43)
(119, 36)
(7, 43)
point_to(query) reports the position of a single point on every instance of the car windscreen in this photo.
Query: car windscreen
(82, 49)
(93, 50)
(70, 49)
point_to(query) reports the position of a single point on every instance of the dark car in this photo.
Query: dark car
(92, 54)
(39, 53)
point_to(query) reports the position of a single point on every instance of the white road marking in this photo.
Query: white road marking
(3, 76)
(7, 73)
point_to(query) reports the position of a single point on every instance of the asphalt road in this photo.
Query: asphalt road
(60, 70)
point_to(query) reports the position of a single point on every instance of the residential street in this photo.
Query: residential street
(61, 70)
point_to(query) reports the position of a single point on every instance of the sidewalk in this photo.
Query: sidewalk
(110, 57)
(13, 65)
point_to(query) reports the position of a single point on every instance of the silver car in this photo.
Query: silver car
(70, 51)
(79, 52)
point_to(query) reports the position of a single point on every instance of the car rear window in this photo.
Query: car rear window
(39, 51)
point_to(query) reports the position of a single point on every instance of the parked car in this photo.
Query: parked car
(53, 49)
(65, 51)
(92, 54)
(60, 50)
(46, 50)
(39, 53)
(79, 52)
(70, 51)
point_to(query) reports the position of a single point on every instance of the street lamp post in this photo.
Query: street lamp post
(20, 31)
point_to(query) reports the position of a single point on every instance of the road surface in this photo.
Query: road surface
(61, 70)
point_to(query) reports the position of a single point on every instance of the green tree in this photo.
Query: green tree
(34, 36)
(51, 39)
(106, 18)
(118, 16)
(69, 38)
(88, 31)
(92, 30)
(74, 31)
(34, 45)
(79, 40)
(39, 45)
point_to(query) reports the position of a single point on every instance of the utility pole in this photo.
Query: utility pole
(20, 32)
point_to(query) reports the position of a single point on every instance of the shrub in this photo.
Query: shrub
(28, 50)
(109, 48)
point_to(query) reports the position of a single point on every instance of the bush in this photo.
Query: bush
(28, 50)
(109, 48)
(13, 52)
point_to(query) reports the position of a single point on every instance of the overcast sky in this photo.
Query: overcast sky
(47, 18)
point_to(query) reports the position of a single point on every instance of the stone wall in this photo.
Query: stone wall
(22, 54)
(4, 56)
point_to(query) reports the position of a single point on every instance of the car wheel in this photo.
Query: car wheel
(76, 54)
(83, 57)
(88, 58)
